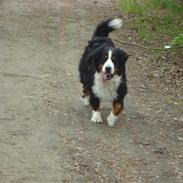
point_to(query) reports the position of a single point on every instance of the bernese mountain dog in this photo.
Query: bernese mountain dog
(102, 72)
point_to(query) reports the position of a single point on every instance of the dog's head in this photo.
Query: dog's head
(110, 62)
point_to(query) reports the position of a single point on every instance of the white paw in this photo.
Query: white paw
(96, 117)
(111, 119)
(124, 113)
(86, 100)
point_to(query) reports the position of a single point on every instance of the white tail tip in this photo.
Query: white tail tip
(115, 23)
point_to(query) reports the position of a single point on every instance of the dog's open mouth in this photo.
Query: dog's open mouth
(107, 76)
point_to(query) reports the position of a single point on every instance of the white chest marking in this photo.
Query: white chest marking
(106, 90)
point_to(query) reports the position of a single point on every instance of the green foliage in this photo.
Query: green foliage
(131, 7)
(178, 40)
(156, 20)
(170, 5)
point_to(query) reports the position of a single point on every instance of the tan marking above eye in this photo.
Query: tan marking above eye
(104, 56)
(113, 57)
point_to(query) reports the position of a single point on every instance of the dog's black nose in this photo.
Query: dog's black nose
(108, 69)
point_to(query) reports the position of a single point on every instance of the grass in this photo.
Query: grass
(156, 20)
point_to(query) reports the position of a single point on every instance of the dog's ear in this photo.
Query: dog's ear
(122, 56)
(94, 56)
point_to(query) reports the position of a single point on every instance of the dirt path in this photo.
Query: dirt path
(45, 132)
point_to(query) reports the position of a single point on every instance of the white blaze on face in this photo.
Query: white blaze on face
(108, 63)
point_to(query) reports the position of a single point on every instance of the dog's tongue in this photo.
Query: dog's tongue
(105, 77)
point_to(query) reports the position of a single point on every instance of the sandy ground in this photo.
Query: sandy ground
(45, 131)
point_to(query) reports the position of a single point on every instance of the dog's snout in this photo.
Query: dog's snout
(108, 69)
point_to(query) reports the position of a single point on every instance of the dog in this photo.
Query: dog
(102, 72)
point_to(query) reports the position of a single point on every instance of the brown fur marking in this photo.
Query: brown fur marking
(117, 108)
(86, 92)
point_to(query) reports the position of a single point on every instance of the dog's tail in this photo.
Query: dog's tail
(104, 28)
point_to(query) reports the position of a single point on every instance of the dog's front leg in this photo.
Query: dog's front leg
(113, 116)
(86, 95)
(95, 103)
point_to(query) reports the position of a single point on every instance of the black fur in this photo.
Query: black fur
(94, 55)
